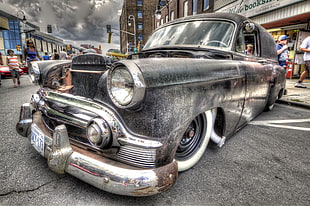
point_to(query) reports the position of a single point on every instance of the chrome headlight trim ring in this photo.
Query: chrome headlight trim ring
(138, 85)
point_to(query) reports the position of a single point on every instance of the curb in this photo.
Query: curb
(292, 103)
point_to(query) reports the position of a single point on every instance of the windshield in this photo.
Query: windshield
(197, 33)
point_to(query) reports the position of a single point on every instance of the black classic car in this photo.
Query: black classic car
(130, 126)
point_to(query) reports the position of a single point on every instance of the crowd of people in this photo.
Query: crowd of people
(30, 54)
(62, 55)
(283, 55)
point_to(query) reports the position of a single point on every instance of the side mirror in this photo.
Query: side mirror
(249, 27)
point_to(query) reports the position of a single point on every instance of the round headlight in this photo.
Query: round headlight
(122, 86)
(126, 85)
(98, 133)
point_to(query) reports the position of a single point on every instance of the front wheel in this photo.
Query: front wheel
(194, 141)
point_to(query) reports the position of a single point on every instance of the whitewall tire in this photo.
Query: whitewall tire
(194, 142)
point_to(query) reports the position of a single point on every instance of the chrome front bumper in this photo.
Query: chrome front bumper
(101, 172)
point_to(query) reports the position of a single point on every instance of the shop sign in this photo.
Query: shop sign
(251, 8)
(4, 23)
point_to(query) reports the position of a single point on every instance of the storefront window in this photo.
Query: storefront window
(11, 37)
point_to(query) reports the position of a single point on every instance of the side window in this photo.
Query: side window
(240, 45)
(247, 43)
(250, 44)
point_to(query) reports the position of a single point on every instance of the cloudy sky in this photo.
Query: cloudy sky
(74, 21)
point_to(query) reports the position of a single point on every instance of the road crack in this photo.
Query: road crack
(29, 190)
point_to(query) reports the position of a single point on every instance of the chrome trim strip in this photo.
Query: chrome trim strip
(49, 112)
(87, 71)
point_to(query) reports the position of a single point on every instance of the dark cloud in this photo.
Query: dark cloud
(72, 20)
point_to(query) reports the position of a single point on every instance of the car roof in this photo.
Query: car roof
(268, 47)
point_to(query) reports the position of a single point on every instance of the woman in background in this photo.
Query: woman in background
(30, 53)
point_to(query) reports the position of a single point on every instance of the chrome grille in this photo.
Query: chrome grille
(137, 156)
(75, 112)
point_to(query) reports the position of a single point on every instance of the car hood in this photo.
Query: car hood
(171, 71)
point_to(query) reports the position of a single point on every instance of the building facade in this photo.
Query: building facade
(136, 23)
(146, 21)
(281, 17)
(289, 17)
(15, 31)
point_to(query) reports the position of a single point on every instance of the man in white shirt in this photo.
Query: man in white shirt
(63, 55)
(305, 47)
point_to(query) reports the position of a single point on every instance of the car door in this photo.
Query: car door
(257, 71)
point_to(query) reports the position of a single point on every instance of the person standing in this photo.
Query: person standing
(73, 55)
(305, 47)
(30, 53)
(282, 50)
(13, 66)
(55, 55)
(63, 54)
(46, 56)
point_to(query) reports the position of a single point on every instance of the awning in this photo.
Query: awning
(293, 14)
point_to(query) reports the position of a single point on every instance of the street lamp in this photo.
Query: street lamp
(24, 20)
(23, 32)
(158, 12)
(132, 18)
(158, 9)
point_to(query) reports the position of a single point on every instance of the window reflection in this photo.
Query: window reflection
(198, 33)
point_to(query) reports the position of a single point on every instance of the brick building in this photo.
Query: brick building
(182, 8)
(290, 17)
(139, 14)
(143, 21)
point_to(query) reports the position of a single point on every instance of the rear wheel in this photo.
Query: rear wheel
(194, 141)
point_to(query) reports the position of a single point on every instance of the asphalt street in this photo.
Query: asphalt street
(265, 163)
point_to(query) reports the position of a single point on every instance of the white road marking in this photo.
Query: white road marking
(278, 123)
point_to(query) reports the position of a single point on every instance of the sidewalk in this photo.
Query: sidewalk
(296, 96)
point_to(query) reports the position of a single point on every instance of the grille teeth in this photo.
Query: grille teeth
(130, 155)
(136, 156)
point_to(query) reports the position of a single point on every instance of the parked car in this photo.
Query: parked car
(130, 127)
(5, 72)
(24, 67)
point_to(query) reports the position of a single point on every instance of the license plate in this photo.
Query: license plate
(37, 140)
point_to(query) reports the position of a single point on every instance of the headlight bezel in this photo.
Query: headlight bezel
(137, 83)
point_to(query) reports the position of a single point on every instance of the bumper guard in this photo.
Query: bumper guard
(103, 173)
